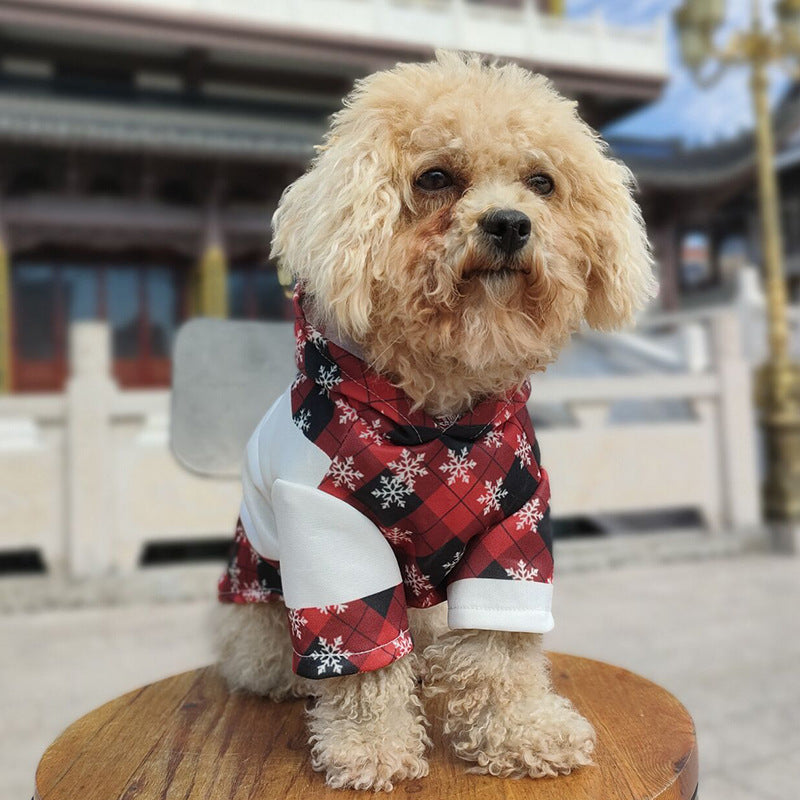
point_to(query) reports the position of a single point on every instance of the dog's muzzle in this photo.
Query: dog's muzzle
(507, 229)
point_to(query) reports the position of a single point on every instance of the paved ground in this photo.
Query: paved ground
(722, 635)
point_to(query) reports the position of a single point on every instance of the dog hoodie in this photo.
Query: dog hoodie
(357, 506)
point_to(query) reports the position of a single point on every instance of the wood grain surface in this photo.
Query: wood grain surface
(187, 738)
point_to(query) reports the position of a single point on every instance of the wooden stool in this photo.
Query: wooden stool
(186, 737)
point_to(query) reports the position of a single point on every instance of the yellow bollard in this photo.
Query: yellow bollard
(5, 320)
(212, 289)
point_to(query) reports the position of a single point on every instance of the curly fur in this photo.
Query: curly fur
(412, 282)
(393, 268)
(501, 712)
(369, 730)
(254, 650)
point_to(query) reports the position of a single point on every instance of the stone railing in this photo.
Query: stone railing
(697, 451)
(87, 478)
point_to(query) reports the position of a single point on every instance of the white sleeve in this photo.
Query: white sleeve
(330, 553)
(256, 510)
(277, 449)
(500, 605)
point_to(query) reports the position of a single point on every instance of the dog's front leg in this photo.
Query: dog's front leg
(501, 712)
(368, 730)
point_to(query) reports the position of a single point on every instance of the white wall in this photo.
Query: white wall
(520, 33)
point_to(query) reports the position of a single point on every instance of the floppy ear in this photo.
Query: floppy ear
(611, 233)
(333, 224)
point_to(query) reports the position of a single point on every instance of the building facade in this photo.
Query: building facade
(144, 146)
(701, 208)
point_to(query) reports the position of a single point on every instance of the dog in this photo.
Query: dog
(458, 224)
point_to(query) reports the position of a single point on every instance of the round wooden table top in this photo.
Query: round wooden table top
(187, 737)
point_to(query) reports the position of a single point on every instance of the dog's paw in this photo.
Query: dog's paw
(254, 651)
(374, 754)
(535, 738)
(367, 765)
(369, 731)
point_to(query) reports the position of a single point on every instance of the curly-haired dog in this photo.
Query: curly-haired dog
(456, 227)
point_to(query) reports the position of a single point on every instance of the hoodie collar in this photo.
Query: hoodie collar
(341, 374)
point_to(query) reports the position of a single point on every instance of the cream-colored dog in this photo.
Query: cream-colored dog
(457, 226)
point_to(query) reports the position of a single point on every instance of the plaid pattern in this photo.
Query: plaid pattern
(248, 578)
(455, 498)
(358, 636)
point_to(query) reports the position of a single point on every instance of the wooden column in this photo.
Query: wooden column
(211, 298)
(664, 237)
(5, 312)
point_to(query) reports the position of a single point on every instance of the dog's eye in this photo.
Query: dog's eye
(433, 180)
(541, 183)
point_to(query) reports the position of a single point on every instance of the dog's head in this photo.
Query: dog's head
(458, 224)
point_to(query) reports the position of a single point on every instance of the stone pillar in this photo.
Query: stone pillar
(89, 459)
(739, 457)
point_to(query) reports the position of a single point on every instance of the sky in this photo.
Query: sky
(685, 111)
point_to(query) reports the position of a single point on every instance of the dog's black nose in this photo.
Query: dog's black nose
(508, 229)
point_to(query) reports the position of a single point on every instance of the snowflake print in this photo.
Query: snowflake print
(396, 536)
(493, 439)
(373, 433)
(330, 655)
(403, 644)
(252, 593)
(523, 451)
(234, 571)
(328, 378)
(417, 581)
(451, 564)
(409, 467)
(303, 419)
(393, 492)
(299, 348)
(343, 472)
(446, 420)
(493, 495)
(336, 608)
(296, 621)
(301, 378)
(346, 412)
(458, 466)
(522, 572)
(530, 515)
(316, 337)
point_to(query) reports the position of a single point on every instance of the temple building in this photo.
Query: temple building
(701, 208)
(144, 146)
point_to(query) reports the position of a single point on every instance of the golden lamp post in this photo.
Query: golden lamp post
(778, 380)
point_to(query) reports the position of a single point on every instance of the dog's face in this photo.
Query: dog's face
(458, 225)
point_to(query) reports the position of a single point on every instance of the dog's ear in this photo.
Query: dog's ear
(333, 223)
(611, 234)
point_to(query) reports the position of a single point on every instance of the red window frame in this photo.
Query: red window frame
(144, 370)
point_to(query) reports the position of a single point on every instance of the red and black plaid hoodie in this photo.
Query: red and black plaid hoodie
(355, 506)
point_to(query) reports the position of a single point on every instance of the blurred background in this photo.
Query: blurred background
(143, 147)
